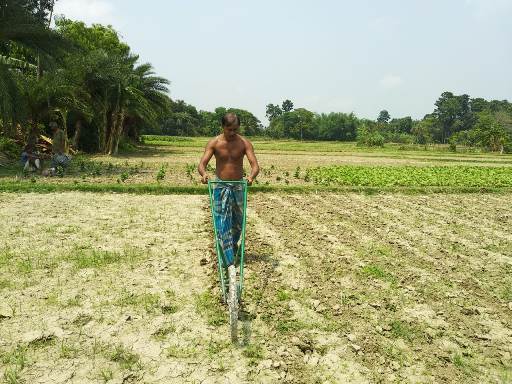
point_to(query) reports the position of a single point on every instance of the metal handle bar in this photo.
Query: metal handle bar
(227, 181)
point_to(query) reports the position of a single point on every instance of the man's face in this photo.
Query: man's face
(231, 130)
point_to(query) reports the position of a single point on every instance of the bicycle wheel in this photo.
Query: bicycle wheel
(233, 303)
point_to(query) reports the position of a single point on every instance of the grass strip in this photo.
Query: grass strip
(159, 189)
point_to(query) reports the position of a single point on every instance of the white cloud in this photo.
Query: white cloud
(88, 11)
(391, 81)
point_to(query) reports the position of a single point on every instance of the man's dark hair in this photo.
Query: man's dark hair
(229, 119)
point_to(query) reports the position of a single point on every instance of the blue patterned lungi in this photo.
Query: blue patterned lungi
(228, 214)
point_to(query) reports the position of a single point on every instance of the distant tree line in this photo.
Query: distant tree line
(456, 120)
(182, 119)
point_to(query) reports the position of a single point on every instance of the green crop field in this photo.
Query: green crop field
(363, 265)
(410, 176)
(286, 166)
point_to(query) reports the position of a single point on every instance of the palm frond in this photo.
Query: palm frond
(16, 63)
(11, 102)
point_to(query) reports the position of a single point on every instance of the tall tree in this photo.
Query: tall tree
(273, 111)
(123, 93)
(425, 130)
(336, 126)
(489, 133)
(24, 42)
(454, 114)
(183, 119)
(384, 117)
(401, 125)
(287, 106)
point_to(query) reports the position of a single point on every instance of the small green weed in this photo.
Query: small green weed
(106, 374)
(162, 332)
(254, 352)
(124, 176)
(283, 295)
(215, 347)
(378, 273)
(403, 330)
(160, 174)
(149, 301)
(181, 352)
(124, 357)
(209, 307)
(68, 351)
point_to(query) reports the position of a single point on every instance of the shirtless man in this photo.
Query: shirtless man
(229, 149)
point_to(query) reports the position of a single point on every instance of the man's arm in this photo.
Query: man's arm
(255, 168)
(207, 155)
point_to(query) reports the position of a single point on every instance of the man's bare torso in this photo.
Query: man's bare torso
(229, 150)
(229, 157)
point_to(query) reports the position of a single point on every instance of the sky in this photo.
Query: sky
(324, 55)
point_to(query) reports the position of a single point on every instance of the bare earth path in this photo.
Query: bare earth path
(109, 288)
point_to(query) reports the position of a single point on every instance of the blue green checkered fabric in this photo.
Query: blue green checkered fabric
(228, 215)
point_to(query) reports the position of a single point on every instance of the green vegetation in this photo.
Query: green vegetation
(201, 190)
(180, 352)
(95, 258)
(378, 273)
(161, 174)
(162, 332)
(401, 329)
(215, 347)
(456, 120)
(283, 295)
(209, 307)
(14, 361)
(150, 302)
(408, 176)
(254, 352)
(68, 350)
(85, 78)
(268, 145)
(124, 357)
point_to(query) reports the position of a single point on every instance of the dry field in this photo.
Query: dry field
(340, 288)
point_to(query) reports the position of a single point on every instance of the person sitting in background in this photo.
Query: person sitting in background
(30, 158)
(59, 148)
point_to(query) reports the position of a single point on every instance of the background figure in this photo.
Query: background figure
(59, 147)
(30, 158)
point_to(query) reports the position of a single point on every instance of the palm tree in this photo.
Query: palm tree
(25, 43)
(138, 95)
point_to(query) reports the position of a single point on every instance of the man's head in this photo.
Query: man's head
(230, 124)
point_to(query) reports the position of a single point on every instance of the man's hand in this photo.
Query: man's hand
(208, 153)
(255, 168)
